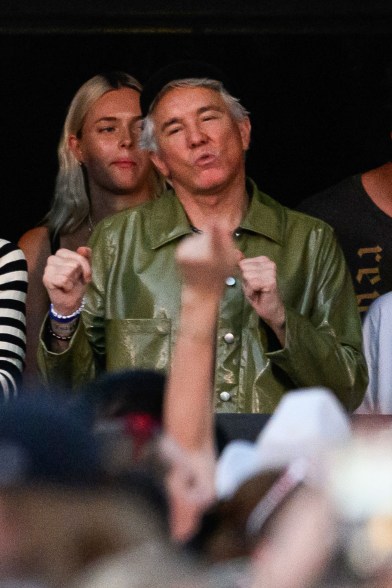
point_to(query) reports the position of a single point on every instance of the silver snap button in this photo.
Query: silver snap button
(224, 396)
(230, 281)
(229, 338)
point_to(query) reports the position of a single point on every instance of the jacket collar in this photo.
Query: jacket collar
(264, 216)
(168, 220)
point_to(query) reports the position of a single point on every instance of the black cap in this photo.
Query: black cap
(116, 394)
(42, 441)
(179, 70)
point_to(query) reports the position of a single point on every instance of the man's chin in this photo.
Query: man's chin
(210, 184)
(211, 188)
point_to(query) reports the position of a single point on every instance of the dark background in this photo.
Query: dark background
(314, 76)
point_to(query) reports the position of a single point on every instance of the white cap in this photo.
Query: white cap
(306, 422)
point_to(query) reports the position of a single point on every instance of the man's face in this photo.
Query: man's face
(200, 146)
(108, 146)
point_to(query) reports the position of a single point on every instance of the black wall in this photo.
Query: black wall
(317, 86)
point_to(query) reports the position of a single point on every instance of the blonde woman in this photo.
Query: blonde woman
(101, 171)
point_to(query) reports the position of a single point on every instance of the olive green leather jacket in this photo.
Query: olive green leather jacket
(132, 306)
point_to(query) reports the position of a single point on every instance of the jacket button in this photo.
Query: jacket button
(229, 338)
(230, 281)
(224, 396)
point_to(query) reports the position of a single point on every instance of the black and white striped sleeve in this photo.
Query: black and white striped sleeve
(13, 289)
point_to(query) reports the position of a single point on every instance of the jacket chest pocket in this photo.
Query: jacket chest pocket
(138, 343)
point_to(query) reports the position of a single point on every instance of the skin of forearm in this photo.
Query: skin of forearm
(188, 414)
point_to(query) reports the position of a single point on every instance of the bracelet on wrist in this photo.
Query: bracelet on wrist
(65, 318)
(64, 328)
(59, 337)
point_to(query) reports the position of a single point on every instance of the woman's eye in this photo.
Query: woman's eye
(106, 129)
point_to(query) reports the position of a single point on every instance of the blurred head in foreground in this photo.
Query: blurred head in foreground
(58, 510)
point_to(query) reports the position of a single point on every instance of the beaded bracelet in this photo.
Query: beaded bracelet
(65, 318)
(59, 337)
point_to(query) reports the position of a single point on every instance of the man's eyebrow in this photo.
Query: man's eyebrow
(209, 107)
(201, 110)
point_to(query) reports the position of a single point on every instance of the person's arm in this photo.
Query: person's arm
(204, 261)
(260, 285)
(13, 288)
(377, 345)
(36, 248)
(83, 356)
(65, 278)
(323, 346)
(65, 356)
(371, 333)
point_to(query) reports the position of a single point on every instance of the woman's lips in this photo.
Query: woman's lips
(124, 163)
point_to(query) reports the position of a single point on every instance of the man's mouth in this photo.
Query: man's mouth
(205, 159)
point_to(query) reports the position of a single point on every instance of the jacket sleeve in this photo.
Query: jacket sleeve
(71, 368)
(371, 333)
(85, 357)
(324, 346)
(377, 344)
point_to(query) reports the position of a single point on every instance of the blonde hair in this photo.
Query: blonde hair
(71, 203)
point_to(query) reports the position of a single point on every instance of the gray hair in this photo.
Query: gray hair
(238, 112)
(71, 203)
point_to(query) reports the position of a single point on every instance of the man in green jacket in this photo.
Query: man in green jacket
(288, 318)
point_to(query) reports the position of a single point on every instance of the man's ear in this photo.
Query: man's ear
(74, 146)
(159, 164)
(245, 129)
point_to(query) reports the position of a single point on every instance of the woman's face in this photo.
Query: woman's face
(108, 145)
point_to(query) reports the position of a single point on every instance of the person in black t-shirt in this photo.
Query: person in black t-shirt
(359, 208)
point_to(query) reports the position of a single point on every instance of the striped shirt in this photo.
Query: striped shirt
(13, 289)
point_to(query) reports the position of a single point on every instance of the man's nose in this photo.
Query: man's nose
(196, 136)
